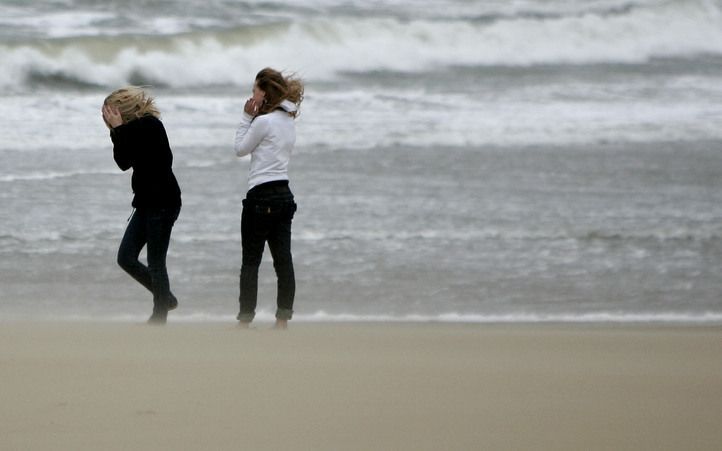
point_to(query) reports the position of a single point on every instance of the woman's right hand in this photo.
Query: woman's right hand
(112, 116)
(251, 107)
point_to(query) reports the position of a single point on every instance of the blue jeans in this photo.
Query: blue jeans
(151, 226)
(267, 215)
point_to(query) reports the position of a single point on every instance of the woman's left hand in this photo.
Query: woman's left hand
(111, 115)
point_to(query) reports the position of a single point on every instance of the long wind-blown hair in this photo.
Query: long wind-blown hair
(279, 88)
(133, 102)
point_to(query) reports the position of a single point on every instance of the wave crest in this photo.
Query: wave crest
(324, 48)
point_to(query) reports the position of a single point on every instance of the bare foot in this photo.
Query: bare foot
(158, 318)
(244, 325)
(281, 324)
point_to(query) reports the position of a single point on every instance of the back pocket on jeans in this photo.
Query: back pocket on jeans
(264, 208)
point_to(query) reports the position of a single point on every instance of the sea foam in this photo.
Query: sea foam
(324, 48)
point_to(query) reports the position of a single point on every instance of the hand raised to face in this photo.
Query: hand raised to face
(111, 116)
(252, 106)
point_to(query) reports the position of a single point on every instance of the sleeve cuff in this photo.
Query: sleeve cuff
(117, 130)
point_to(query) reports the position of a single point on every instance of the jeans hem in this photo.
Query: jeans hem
(246, 317)
(284, 313)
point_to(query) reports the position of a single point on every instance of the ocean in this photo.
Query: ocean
(471, 161)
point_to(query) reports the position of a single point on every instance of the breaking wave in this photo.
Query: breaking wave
(324, 48)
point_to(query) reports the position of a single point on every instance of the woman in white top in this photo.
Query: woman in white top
(267, 132)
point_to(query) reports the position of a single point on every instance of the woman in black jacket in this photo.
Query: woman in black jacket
(140, 142)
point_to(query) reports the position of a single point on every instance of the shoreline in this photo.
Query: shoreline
(102, 385)
(705, 319)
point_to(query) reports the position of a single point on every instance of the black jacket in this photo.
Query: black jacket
(142, 144)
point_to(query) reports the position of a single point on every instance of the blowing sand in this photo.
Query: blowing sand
(108, 386)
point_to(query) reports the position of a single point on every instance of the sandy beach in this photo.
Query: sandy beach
(78, 386)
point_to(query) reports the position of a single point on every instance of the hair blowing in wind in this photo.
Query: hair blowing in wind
(279, 88)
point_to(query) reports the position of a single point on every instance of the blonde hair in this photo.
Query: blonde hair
(279, 88)
(133, 103)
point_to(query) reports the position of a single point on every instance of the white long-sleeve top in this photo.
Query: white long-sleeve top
(269, 139)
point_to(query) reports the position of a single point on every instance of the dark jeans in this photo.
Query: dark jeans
(267, 215)
(151, 226)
